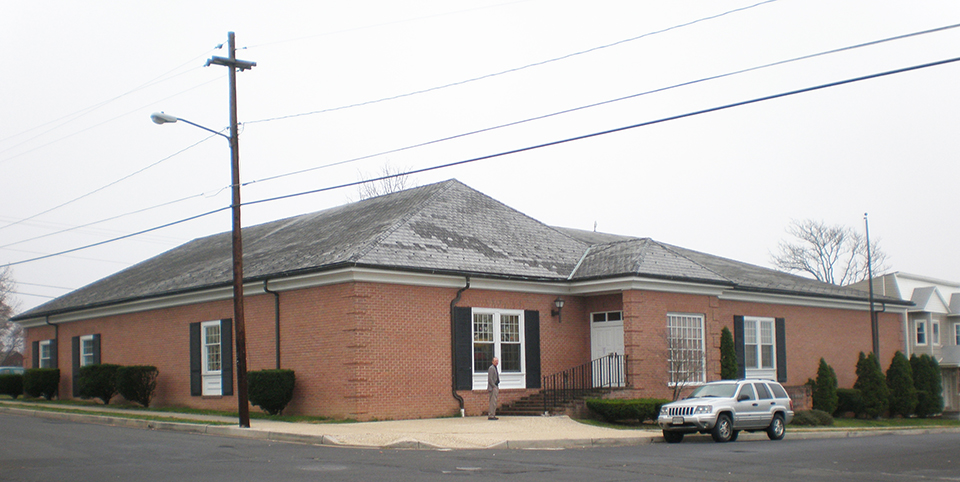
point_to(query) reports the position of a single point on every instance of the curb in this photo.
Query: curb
(414, 444)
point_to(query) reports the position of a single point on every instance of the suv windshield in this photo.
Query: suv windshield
(722, 390)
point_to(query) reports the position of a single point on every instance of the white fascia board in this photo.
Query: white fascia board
(809, 301)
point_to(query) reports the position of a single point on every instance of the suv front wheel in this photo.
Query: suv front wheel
(723, 430)
(776, 429)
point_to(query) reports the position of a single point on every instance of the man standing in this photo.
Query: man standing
(493, 385)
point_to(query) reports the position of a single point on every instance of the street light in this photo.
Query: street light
(233, 64)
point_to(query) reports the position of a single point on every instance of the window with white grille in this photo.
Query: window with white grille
(685, 348)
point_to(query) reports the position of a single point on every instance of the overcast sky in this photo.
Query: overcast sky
(337, 81)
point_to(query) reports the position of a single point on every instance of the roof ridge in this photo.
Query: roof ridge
(449, 184)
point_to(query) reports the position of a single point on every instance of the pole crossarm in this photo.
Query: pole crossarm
(235, 63)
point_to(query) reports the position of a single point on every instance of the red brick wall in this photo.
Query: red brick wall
(382, 351)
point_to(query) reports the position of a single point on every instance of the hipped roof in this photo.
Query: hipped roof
(445, 227)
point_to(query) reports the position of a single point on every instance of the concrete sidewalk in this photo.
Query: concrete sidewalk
(556, 432)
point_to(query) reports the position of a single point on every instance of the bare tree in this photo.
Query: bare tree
(685, 359)
(11, 334)
(387, 180)
(832, 254)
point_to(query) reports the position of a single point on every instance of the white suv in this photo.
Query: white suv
(726, 407)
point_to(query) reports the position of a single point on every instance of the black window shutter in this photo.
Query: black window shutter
(226, 360)
(781, 350)
(463, 347)
(75, 344)
(35, 354)
(96, 349)
(54, 361)
(738, 344)
(196, 383)
(531, 332)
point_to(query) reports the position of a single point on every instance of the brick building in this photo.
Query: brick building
(392, 307)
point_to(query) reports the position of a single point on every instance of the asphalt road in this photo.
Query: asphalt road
(35, 449)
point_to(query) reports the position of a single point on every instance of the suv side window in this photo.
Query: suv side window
(747, 390)
(762, 391)
(778, 391)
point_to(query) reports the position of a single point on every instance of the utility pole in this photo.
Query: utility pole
(874, 324)
(233, 65)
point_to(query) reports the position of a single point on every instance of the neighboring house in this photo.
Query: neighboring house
(392, 307)
(932, 326)
(15, 359)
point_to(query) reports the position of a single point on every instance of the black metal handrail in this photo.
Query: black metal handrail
(602, 373)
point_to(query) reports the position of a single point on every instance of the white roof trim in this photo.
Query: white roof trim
(357, 274)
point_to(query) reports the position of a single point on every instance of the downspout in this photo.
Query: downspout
(56, 340)
(276, 318)
(453, 347)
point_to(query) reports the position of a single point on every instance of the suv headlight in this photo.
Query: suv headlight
(703, 409)
(664, 410)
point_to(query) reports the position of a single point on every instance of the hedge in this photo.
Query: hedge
(41, 382)
(98, 381)
(12, 385)
(639, 409)
(271, 390)
(137, 383)
(849, 400)
(812, 418)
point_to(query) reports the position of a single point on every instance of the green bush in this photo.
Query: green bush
(872, 385)
(927, 381)
(903, 394)
(638, 409)
(849, 400)
(271, 390)
(11, 385)
(825, 388)
(137, 383)
(728, 356)
(41, 382)
(812, 418)
(98, 381)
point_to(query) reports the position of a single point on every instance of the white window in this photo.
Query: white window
(759, 349)
(956, 333)
(86, 350)
(45, 357)
(921, 332)
(685, 349)
(210, 357)
(935, 332)
(498, 333)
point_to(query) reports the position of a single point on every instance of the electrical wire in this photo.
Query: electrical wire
(517, 151)
(610, 101)
(515, 69)
(128, 176)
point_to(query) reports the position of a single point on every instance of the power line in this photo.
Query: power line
(128, 176)
(523, 149)
(610, 101)
(515, 69)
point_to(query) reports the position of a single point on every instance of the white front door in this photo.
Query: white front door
(606, 338)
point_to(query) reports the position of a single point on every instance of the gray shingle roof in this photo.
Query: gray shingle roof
(444, 227)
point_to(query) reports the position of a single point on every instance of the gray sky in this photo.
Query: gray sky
(80, 79)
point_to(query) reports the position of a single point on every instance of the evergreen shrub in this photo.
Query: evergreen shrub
(41, 382)
(849, 400)
(872, 385)
(927, 381)
(11, 384)
(812, 418)
(825, 388)
(639, 409)
(98, 381)
(903, 394)
(271, 390)
(137, 383)
(728, 356)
